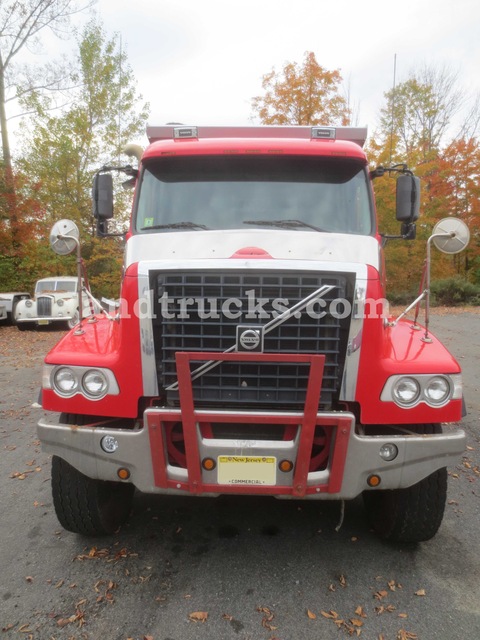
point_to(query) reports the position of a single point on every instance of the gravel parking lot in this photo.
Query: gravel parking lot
(236, 568)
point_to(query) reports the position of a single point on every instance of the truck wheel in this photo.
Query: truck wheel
(413, 514)
(87, 506)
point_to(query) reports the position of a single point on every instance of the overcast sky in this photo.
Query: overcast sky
(202, 61)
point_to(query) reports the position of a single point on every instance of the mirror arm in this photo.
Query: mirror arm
(409, 230)
(128, 169)
(380, 171)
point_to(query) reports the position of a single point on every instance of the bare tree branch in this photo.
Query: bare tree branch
(21, 25)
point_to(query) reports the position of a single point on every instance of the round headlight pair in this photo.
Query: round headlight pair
(407, 391)
(93, 383)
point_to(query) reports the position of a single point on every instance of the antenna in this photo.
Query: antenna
(393, 104)
(120, 102)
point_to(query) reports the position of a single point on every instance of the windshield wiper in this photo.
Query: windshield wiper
(176, 225)
(287, 224)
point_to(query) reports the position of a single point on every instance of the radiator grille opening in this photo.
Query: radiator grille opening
(44, 306)
(200, 312)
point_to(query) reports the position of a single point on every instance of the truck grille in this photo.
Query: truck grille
(44, 307)
(233, 385)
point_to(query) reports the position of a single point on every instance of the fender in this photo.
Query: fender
(109, 343)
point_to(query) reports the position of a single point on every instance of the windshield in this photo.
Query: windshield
(237, 192)
(56, 285)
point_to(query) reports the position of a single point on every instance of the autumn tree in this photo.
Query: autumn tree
(417, 120)
(306, 94)
(455, 188)
(62, 152)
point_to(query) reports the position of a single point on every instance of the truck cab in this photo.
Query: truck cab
(252, 351)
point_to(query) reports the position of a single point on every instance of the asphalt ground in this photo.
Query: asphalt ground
(230, 568)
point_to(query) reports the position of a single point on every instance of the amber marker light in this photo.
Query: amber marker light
(285, 465)
(209, 464)
(373, 480)
(123, 474)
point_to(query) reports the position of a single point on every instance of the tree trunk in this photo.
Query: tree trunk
(9, 181)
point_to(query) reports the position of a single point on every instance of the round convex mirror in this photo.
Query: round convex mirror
(455, 238)
(64, 237)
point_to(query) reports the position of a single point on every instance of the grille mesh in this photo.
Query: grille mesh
(255, 293)
(44, 307)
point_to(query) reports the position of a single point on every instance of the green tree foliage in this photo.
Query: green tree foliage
(62, 152)
(304, 94)
(419, 112)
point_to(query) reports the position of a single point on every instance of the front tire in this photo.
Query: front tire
(413, 514)
(87, 506)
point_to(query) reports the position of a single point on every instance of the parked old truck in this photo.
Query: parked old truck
(250, 351)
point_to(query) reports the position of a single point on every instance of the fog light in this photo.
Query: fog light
(388, 451)
(109, 444)
(437, 390)
(285, 465)
(209, 464)
(123, 474)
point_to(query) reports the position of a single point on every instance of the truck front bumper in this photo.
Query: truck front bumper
(352, 461)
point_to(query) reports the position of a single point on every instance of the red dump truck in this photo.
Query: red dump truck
(250, 351)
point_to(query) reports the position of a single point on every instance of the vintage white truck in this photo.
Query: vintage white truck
(55, 301)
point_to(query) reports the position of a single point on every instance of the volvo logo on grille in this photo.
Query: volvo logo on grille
(249, 338)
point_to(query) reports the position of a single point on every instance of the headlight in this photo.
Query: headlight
(28, 303)
(60, 303)
(95, 383)
(437, 390)
(65, 381)
(406, 391)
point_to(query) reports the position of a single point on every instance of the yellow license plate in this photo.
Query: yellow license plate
(42, 322)
(247, 470)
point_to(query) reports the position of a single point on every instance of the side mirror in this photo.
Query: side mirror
(102, 196)
(408, 198)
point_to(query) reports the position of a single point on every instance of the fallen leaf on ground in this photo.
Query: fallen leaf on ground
(356, 622)
(198, 616)
(311, 615)
(333, 615)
